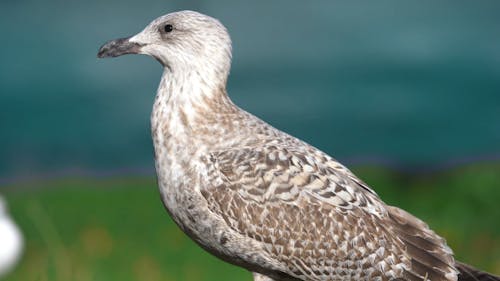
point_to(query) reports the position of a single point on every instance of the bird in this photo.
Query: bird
(11, 241)
(257, 197)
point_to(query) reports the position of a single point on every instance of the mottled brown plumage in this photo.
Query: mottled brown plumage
(316, 217)
(260, 198)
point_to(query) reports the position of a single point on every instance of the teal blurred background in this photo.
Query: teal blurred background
(405, 92)
(410, 83)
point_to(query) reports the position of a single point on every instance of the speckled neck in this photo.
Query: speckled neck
(186, 113)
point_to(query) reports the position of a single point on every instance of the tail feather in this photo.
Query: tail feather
(469, 273)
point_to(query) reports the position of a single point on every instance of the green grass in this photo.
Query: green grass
(117, 229)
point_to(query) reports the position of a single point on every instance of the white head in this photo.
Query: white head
(180, 40)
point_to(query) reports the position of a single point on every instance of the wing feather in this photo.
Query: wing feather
(317, 219)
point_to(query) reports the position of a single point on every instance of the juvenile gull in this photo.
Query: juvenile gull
(257, 197)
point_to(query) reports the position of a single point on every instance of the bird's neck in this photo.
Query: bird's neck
(187, 107)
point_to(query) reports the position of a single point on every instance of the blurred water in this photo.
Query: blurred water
(413, 83)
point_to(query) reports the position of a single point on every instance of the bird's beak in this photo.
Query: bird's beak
(118, 47)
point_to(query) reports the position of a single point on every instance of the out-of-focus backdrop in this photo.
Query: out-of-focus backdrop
(407, 93)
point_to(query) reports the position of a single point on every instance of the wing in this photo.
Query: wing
(318, 220)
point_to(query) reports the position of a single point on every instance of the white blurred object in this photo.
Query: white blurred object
(11, 241)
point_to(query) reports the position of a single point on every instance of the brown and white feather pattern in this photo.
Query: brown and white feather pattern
(267, 201)
(320, 221)
(259, 198)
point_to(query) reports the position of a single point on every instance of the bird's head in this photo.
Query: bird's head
(177, 40)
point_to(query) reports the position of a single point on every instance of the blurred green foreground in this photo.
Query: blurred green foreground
(117, 229)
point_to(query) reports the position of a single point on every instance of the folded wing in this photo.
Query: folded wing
(318, 220)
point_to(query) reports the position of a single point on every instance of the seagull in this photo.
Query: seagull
(11, 241)
(257, 197)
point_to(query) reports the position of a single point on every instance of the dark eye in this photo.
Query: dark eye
(168, 28)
